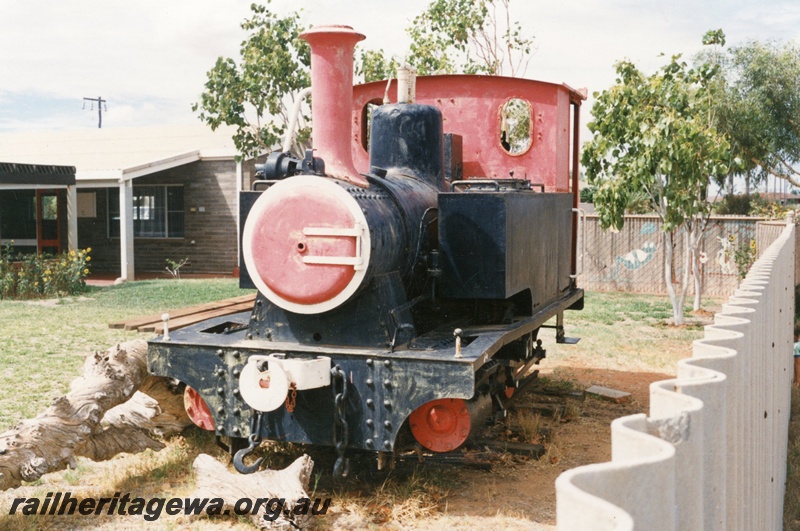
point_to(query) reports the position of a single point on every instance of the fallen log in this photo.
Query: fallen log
(115, 407)
(262, 490)
(98, 417)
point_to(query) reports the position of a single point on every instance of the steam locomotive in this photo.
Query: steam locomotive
(404, 267)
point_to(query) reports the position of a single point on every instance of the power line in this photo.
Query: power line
(100, 101)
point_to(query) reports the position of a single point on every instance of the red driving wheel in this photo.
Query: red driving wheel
(197, 409)
(441, 425)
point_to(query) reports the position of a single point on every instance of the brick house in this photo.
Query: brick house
(140, 195)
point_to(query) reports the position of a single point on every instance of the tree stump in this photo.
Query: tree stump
(289, 485)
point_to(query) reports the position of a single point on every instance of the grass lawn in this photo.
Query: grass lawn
(44, 342)
(625, 331)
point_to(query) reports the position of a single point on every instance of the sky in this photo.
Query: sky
(148, 58)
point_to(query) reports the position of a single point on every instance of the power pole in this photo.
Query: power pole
(100, 101)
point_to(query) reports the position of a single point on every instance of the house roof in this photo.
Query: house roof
(113, 154)
(36, 174)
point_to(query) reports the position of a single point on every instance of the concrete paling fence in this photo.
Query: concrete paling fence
(712, 452)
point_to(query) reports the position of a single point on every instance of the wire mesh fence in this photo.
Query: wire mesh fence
(632, 259)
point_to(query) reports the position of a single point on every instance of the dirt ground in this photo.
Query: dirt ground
(517, 492)
(527, 488)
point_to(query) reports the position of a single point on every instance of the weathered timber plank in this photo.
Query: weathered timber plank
(606, 393)
(137, 322)
(187, 320)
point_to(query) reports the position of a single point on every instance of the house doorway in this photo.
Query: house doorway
(48, 216)
(33, 220)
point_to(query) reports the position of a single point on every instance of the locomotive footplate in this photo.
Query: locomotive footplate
(383, 387)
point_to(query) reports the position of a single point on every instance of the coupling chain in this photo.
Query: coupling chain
(291, 398)
(255, 428)
(340, 429)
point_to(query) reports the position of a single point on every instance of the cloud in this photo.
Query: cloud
(149, 58)
(143, 48)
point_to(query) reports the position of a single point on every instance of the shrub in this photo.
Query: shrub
(750, 205)
(39, 276)
(638, 203)
(744, 256)
(587, 194)
(735, 205)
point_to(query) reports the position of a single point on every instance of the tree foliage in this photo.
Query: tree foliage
(655, 135)
(373, 65)
(760, 108)
(458, 36)
(469, 36)
(651, 134)
(255, 94)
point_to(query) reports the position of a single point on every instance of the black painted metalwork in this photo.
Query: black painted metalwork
(254, 439)
(408, 139)
(496, 244)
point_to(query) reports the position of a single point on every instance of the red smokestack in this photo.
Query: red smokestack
(332, 50)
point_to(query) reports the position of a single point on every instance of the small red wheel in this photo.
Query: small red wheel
(197, 409)
(441, 425)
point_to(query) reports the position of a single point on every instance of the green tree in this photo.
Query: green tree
(256, 94)
(468, 36)
(587, 194)
(760, 108)
(458, 36)
(654, 134)
(373, 65)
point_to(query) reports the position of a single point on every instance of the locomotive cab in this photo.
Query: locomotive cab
(402, 275)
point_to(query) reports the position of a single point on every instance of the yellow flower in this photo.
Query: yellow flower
(85, 271)
(72, 253)
(88, 258)
(47, 272)
(88, 249)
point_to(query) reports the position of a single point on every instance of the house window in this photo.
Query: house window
(18, 215)
(157, 212)
(87, 204)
